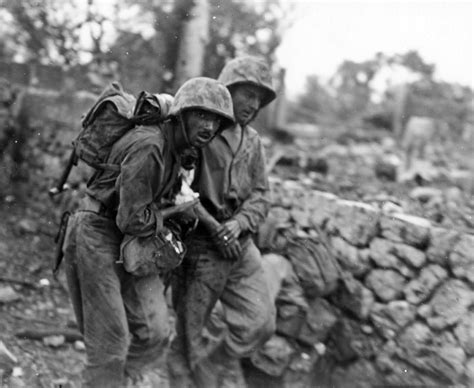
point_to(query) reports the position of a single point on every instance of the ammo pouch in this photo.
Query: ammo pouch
(156, 254)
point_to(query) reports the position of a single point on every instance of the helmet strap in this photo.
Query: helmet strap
(181, 135)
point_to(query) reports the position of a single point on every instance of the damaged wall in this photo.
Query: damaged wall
(403, 313)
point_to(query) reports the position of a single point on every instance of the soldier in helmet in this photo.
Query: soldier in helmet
(223, 262)
(124, 318)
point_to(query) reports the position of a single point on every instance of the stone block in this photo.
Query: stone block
(441, 244)
(410, 255)
(274, 356)
(432, 354)
(321, 206)
(386, 284)
(461, 259)
(388, 254)
(350, 258)
(320, 319)
(356, 222)
(389, 319)
(449, 304)
(404, 228)
(419, 289)
(358, 299)
(352, 342)
(464, 332)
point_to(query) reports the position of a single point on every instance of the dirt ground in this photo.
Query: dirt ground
(41, 302)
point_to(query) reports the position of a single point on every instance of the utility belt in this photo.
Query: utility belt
(90, 204)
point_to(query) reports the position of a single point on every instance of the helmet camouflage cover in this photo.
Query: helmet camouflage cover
(250, 70)
(206, 94)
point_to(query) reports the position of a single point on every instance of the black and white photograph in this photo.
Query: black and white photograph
(236, 194)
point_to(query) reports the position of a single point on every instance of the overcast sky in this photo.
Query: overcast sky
(327, 32)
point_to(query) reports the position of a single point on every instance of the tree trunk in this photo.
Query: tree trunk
(193, 40)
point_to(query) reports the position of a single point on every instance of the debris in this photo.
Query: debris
(54, 341)
(44, 282)
(27, 226)
(320, 348)
(8, 294)
(70, 335)
(79, 346)
(7, 358)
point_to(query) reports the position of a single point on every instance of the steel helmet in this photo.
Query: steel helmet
(250, 70)
(206, 94)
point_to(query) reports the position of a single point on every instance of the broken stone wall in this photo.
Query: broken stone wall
(403, 313)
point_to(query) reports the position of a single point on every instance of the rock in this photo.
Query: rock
(54, 341)
(322, 206)
(411, 230)
(453, 195)
(320, 319)
(359, 300)
(300, 217)
(425, 194)
(27, 226)
(431, 354)
(411, 256)
(318, 164)
(351, 342)
(385, 170)
(8, 294)
(418, 290)
(356, 222)
(386, 284)
(80, 346)
(274, 356)
(424, 311)
(380, 251)
(359, 374)
(461, 259)
(464, 332)
(277, 219)
(390, 319)
(320, 348)
(441, 244)
(398, 373)
(352, 259)
(386, 254)
(301, 369)
(449, 304)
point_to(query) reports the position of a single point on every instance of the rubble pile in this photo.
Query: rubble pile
(396, 307)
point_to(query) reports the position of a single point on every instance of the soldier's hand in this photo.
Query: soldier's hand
(230, 250)
(230, 231)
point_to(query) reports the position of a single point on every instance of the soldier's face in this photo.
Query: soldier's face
(247, 100)
(201, 126)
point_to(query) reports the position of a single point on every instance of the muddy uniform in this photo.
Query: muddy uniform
(230, 187)
(108, 302)
(124, 318)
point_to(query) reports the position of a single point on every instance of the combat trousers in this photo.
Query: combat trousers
(124, 319)
(248, 311)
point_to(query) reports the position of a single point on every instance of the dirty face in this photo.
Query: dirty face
(201, 126)
(247, 99)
